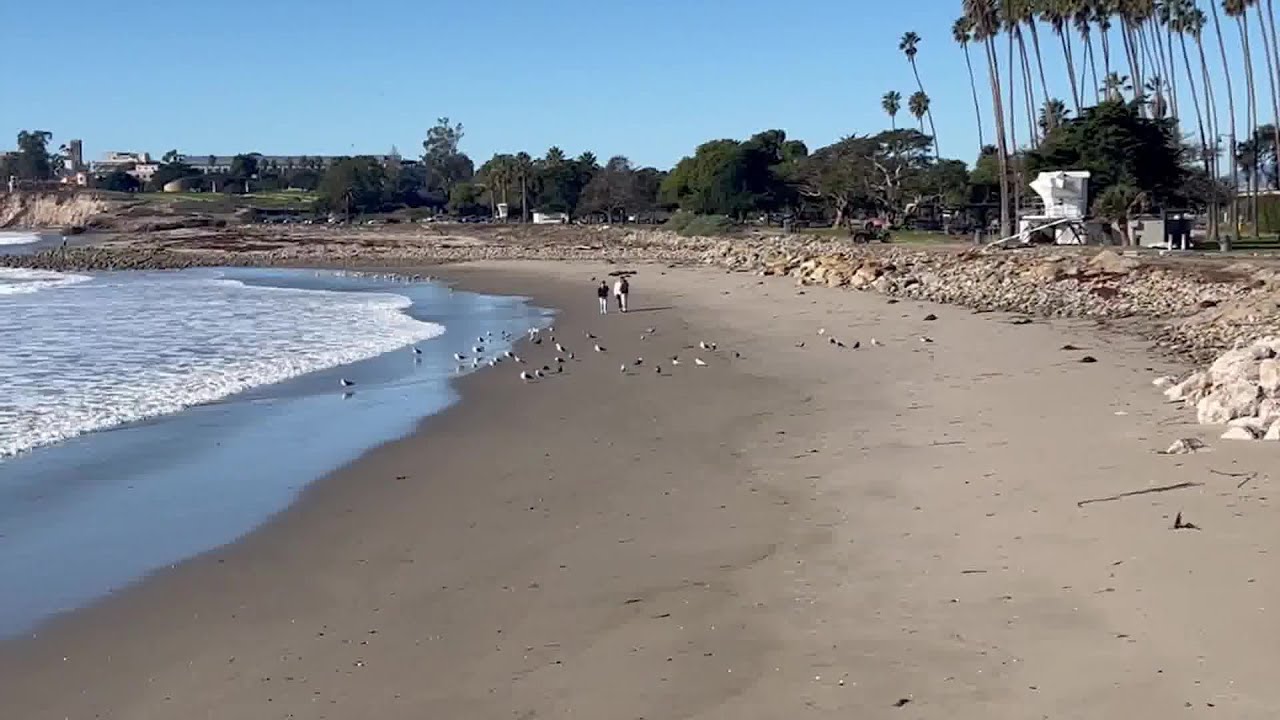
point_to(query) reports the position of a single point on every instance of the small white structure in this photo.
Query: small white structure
(501, 210)
(556, 218)
(1066, 197)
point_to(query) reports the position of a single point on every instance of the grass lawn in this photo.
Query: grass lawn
(277, 200)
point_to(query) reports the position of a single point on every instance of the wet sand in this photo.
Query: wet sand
(800, 529)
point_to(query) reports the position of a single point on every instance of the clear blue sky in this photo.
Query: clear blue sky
(649, 80)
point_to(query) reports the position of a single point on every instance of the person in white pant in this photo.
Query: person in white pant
(620, 290)
(602, 293)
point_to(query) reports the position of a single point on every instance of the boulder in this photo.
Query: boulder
(1269, 377)
(1227, 402)
(1239, 433)
(1191, 389)
(1236, 365)
(1273, 432)
(1184, 446)
(1108, 262)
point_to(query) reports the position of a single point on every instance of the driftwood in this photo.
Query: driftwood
(1146, 491)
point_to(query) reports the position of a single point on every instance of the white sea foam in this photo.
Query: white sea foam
(87, 356)
(18, 280)
(17, 238)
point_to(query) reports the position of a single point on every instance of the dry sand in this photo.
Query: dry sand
(805, 531)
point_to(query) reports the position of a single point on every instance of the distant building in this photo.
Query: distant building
(73, 156)
(214, 164)
(553, 218)
(126, 161)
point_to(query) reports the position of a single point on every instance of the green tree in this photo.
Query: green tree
(32, 160)
(524, 169)
(170, 157)
(891, 103)
(354, 185)
(246, 167)
(612, 191)
(119, 181)
(466, 199)
(1117, 204)
(169, 172)
(446, 164)
(918, 106)
(1052, 115)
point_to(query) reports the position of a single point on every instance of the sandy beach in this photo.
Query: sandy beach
(904, 529)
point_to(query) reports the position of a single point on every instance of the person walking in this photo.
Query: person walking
(602, 293)
(624, 293)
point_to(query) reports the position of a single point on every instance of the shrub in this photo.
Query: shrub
(707, 225)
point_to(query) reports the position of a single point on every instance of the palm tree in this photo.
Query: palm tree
(918, 106)
(892, 103)
(555, 156)
(1179, 19)
(524, 168)
(1153, 96)
(909, 45)
(1225, 240)
(984, 22)
(1027, 12)
(1102, 10)
(1083, 21)
(1057, 13)
(1114, 86)
(1239, 9)
(1052, 115)
(1011, 14)
(962, 33)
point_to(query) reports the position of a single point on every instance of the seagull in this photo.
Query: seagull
(416, 351)
(559, 361)
(539, 373)
(477, 349)
(822, 331)
(675, 360)
(459, 357)
(876, 342)
(639, 361)
(345, 382)
(537, 340)
(559, 348)
(509, 354)
(926, 339)
(657, 369)
(525, 376)
(650, 331)
(698, 362)
(570, 356)
(622, 369)
(599, 349)
(590, 336)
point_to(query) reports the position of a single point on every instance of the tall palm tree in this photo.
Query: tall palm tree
(962, 33)
(892, 103)
(1101, 11)
(1057, 14)
(1154, 97)
(1239, 9)
(985, 24)
(1114, 86)
(1052, 115)
(1011, 14)
(1083, 21)
(1027, 11)
(909, 45)
(1225, 241)
(1179, 19)
(918, 106)
(524, 169)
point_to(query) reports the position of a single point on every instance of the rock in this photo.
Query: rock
(1227, 402)
(930, 317)
(1191, 389)
(1269, 377)
(1238, 365)
(1268, 411)
(1239, 433)
(1273, 432)
(1254, 425)
(1109, 263)
(1184, 446)
(1165, 382)
(1088, 359)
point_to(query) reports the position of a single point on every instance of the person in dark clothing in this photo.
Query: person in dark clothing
(602, 293)
(624, 290)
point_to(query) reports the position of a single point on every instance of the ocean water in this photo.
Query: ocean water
(11, 237)
(151, 416)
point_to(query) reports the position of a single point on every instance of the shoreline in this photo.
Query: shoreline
(797, 528)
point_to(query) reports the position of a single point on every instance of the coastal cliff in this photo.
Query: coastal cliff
(23, 209)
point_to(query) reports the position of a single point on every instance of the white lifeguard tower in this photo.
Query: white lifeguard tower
(1065, 194)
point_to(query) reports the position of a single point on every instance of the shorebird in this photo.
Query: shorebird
(478, 349)
(537, 340)
(493, 362)
(480, 340)
(926, 339)
(539, 373)
(345, 382)
(657, 369)
(416, 351)
(509, 354)
(642, 337)
(459, 357)
(622, 369)
(590, 336)
(559, 368)
(518, 359)
(698, 362)
(675, 360)
(599, 349)
(570, 356)
(559, 348)
(876, 343)
(707, 345)
(525, 376)
(639, 361)
(546, 368)
(650, 331)
(559, 361)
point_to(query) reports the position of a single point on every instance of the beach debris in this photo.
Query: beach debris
(930, 317)
(1164, 382)
(1183, 446)
(699, 362)
(599, 349)
(1021, 321)
(525, 376)
(345, 382)
(1088, 359)
(1180, 524)
(1144, 491)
